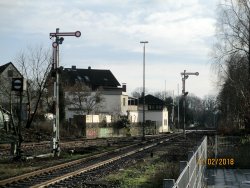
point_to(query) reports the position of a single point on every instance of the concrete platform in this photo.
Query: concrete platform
(228, 178)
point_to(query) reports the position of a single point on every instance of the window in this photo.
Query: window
(165, 122)
(10, 73)
(124, 102)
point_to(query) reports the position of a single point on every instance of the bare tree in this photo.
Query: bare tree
(82, 99)
(209, 111)
(232, 59)
(137, 93)
(163, 94)
(233, 36)
(34, 64)
(233, 30)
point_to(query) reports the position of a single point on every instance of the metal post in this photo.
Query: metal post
(56, 147)
(18, 154)
(54, 139)
(55, 44)
(184, 115)
(54, 121)
(168, 183)
(143, 93)
(178, 108)
(184, 102)
(184, 93)
(57, 95)
(173, 111)
(216, 146)
(182, 165)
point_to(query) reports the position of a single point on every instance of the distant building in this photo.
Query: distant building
(114, 96)
(115, 101)
(7, 97)
(155, 112)
(7, 72)
(152, 103)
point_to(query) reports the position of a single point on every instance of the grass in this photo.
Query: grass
(148, 173)
(10, 170)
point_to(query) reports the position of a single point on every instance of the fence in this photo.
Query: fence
(192, 171)
(225, 145)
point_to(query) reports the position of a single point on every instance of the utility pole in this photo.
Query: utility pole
(58, 40)
(143, 92)
(173, 110)
(178, 107)
(184, 93)
(19, 85)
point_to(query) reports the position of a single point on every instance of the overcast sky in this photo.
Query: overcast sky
(180, 35)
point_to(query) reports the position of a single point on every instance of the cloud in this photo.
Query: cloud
(179, 33)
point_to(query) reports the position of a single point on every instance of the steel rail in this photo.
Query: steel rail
(71, 163)
(56, 167)
(92, 167)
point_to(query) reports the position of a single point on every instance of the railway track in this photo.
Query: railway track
(37, 148)
(60, 175)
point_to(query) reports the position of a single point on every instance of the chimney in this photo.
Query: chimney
(73, 67)
(124, 87)
(89, 67)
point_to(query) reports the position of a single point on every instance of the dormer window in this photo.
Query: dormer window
(86, 78)
(79, 78)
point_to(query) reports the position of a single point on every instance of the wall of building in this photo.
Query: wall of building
(98, 118)
(124, 103)
(115, 103)
(160, 117)
(6, 83)
(132, 107)
(133, 116)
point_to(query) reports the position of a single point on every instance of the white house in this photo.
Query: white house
(155, 111)
(115, 98)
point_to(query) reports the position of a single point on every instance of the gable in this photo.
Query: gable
(7, 73)
(9, 66)
(3, 67)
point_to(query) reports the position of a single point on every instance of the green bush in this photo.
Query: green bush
(122, 122)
